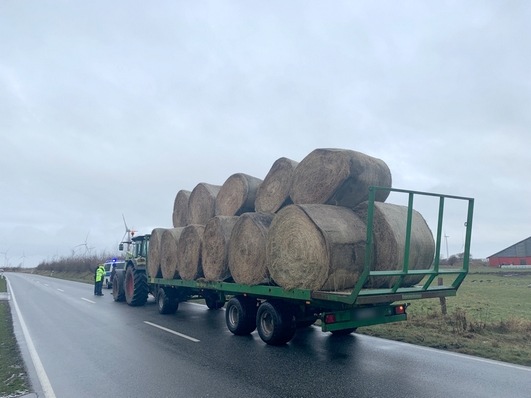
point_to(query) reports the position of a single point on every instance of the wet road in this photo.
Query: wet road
(90, 346)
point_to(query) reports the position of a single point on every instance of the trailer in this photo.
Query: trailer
(276, 313)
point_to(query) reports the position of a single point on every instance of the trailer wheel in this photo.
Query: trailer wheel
(118, 292)
(343, 332)
(213, 302)
(275, 324)
(166, 303)
(240, 315)
(136, 287)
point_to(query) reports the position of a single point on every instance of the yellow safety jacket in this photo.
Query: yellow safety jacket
(100, 272)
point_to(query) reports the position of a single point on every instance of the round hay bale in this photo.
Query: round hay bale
(202, 203)
(189, 255)
(169, 249)
(180, 209)
(273, 193)
(247, 249)
(237, 195)
(215, 251)
(154, 253)
(316, 247)
(338, 177)
(389, 237)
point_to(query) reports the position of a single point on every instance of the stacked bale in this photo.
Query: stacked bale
(189, 253)
(237, 195)
(247, 249)
(216, 248)
(169, 249)
(316, 247)
(202, 203)
(273, 193)
(338, 177)
(154, 253)
(389, 237)
(180, 209)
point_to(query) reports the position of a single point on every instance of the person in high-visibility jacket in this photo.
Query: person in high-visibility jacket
(100, 274)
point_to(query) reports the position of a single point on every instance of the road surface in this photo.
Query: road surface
(79, 345)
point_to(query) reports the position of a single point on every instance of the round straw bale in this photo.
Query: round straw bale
(154, 253)
(237, 195)
(202, 203)
(169, 248)
(315, 247)
(273, 193)
(180, 209)
(247, 247)
(338, 177)
(389, 237)
(215, 247)
(189, 255)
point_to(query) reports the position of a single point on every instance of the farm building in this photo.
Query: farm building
(517, 254)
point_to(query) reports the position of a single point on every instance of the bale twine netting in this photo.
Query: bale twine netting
(237, 195)
(247, 249)
(180, 209)
(169, 248)
(154, 253)
(215, 253)
(316, 247)
(189, 254)
(202, 203)
(338, 177)
(389, 236)
(273, 193)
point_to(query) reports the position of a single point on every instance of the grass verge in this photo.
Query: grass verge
(13, 376)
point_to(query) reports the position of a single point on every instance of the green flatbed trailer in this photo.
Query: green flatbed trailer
(276, 313)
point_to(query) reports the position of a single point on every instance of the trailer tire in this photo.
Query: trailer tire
(275, 323)
(135, 286)
(213, 302)
(166, 303)
(343, 332)
(240, 315)
(118, 292)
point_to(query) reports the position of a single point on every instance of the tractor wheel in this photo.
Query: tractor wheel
(166, 303)
(118, 292)
(275, 324)
(136, 287)
(240, 315)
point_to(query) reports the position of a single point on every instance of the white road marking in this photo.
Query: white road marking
(39, 368)
(90, 301)
(172, 331)
(61, 290)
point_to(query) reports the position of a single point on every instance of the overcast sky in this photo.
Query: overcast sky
(111, 107)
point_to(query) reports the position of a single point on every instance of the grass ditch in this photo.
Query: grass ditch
(13, 376)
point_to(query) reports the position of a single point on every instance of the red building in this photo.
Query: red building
(517, 254)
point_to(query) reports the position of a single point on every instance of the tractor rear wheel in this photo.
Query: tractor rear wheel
(136, 287)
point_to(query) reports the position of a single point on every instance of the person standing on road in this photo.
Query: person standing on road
(100, 274)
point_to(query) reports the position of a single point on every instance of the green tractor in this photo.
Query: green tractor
(130, 284)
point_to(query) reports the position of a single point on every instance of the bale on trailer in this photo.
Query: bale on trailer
(316, 247)
(169, 247)
(247, 249)
(237, 195)
(215, 251)
(389, 236)
(154, 253)
(189, 254)
(180, 209)
(202, 203)
(273, 193)
(338, 177)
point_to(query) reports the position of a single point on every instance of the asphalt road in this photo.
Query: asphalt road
(78, 345)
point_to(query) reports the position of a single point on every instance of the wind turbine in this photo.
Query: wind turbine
(87, 249)
(23, 257)
(446, 239)
(128, 232)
